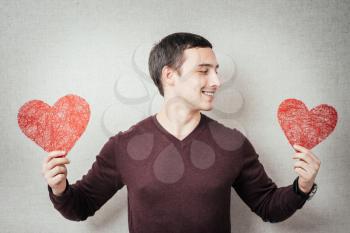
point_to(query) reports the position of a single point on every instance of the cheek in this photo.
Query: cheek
(195, 88)
(197, 83)
(192, 87)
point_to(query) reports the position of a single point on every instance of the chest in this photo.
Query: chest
(195, 170)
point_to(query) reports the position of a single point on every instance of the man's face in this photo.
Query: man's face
(199, 80)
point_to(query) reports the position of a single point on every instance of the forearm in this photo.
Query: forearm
(70, 203)
(87, 195)
(279, 204)
(261, 194)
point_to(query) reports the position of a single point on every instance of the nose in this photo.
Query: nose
(214, 80)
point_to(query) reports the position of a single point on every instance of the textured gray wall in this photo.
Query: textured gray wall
(280, 49)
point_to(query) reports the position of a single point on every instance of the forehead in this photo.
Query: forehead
(194, 57)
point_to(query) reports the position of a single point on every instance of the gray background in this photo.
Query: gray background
(281, 49)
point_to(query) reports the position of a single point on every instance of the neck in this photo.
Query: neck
(178, 119)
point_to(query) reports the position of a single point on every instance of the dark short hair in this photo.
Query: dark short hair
(169, 52)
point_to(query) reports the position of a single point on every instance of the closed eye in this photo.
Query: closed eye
(203, 71)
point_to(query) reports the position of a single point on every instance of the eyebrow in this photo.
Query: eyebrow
(208, 65)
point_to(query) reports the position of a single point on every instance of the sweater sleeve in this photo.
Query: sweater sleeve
(260, 193)
(86, 196)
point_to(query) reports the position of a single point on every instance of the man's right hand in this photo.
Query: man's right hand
(55, 172)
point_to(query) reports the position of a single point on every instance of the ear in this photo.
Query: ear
(168, 76)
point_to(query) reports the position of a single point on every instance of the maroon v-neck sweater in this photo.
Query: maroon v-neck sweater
(177, 185)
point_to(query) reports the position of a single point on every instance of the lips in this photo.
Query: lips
(208, 92)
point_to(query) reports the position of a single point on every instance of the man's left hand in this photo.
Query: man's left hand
(307, 166)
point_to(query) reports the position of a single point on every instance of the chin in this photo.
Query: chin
(207, 108)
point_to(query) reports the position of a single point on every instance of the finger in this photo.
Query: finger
(308, 159)
(51, 155)
(308, 153)
(301, 172)
(55, 171)
(303, 156)
(300, 148)
(306, 167)
(57, 179)
(309, 170)
(57, 162)
(302, 165)
(54, 154)
(315, 158)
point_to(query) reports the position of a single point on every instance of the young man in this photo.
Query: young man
(179, 165)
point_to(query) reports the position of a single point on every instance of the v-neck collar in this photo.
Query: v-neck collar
(174, 139)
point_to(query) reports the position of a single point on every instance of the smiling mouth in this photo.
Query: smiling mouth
(208, 93)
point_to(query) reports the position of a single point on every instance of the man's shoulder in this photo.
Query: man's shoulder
(222, 126)
(136, 128)
(226, 136)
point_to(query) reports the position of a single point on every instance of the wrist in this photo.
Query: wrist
(306, 193)
(305, 189)
(57, 193)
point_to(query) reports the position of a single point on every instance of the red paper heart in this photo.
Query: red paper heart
(57, 127)
(304, 127)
